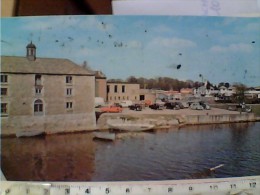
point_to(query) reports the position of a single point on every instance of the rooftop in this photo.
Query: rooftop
(15, 64)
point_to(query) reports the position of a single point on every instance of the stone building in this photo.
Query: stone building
(45, 94)
(100, 85)
(121, 91)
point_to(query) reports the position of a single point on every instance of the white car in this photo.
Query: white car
(126, 103)
(196, 106)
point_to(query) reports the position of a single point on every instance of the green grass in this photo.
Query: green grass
(256, 109)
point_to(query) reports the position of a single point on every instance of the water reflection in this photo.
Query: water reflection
(184, 153)
(53, 158)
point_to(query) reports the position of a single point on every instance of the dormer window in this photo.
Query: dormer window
(38, 80)
(68, 79)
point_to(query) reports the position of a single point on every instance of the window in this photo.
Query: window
(69, 91)
(38, 90)
(38, 79)
(3, 91)
(115, 88)
(3, 108)
(4, 79)
(38, 107)
(123, 88)
(118, 97)
(108, 88)
(69, 105)
(69, 79)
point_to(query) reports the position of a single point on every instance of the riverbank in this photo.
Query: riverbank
(177, 118)
(167, 118)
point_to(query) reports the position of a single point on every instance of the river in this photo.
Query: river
(161, 155)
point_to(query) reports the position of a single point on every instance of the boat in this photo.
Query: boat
(107, 136)
(30, 133)
(124, 125)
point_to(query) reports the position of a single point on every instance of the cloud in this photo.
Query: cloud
(240, 47)
(172, 42)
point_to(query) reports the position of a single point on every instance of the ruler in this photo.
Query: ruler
(239, 186)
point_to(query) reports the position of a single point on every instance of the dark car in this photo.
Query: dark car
(180, 105)
(156, 106)
(240, 107)
(136, 107)
(205, 105)
(172, 105)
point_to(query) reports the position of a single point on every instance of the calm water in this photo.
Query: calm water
(166, 154)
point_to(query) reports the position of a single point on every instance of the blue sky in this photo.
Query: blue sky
(222, 49)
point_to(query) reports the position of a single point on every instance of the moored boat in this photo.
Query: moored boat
(108, 136)
(129, 125)
(31, 133)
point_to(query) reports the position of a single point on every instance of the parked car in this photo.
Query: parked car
(156, 106)
(185, 104)
(240, 107)
(196, 106)
(126, 103)
(99, 102)
(205, 105)
(172, 105)
(136, 107)
(111, 109)
(180, 105)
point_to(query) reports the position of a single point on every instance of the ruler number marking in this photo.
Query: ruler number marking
(127, 190)
(7, 191)
(107, 190)
(233, 186)
(214, 187)
(88, 191)
(252, 184)
(67, 191)
(170, 189)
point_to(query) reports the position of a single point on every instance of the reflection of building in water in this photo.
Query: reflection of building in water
(45, 94)
(53, 158)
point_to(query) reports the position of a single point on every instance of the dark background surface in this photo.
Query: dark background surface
(61, 7)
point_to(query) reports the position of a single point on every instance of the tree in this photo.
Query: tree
(239, 96)
(131, 79)
(227, 85)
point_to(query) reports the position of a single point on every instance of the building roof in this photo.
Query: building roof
(31, 45)
(100, 75)
(13, 64)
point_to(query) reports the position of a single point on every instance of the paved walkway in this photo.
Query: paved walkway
(186, 111)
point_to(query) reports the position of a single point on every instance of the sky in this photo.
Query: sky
(221, 49)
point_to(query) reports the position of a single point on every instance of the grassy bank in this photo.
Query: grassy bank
(255, 107)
